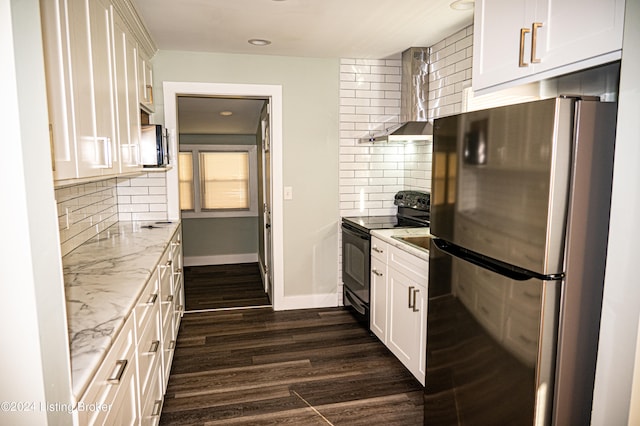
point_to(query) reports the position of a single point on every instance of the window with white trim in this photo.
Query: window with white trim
(218, 180)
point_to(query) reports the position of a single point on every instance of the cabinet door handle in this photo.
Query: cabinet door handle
(154, 346)
(152, 299)
(377, 250)
(415, 300)
(534, 41)
(170, 298)
(376, 272)
(521, 62)
(121, 365)
(410, 291)
(106, 146)
(150, 93)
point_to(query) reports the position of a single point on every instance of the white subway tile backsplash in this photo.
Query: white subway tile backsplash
(84, 210)
(369, 180)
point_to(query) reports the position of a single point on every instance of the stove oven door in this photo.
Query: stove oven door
(356, 262)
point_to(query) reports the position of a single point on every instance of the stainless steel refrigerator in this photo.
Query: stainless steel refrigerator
(520, 212)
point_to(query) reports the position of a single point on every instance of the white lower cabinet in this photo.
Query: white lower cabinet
(132, 379)
(398, 304)
(112, 395)
(408, 322)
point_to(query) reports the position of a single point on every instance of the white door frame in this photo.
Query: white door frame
(171, 91)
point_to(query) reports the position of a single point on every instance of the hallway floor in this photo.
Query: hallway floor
(255, 366)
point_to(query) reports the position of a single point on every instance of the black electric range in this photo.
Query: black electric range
(413, 211)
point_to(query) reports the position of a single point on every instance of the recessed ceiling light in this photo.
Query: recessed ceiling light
(226, 113)
(259, 42)
(462, 4)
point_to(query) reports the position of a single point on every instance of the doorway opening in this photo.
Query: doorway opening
(237, 242)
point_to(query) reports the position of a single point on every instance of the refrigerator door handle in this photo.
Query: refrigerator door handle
(494, 265)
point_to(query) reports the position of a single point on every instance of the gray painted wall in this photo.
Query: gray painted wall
(310, 88)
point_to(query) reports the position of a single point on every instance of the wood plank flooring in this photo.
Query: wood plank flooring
(304, 367)
(223, 286)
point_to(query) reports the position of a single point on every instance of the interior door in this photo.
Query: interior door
(266, 208)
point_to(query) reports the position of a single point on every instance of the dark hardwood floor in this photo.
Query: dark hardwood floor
(303, 367)
(223, 286)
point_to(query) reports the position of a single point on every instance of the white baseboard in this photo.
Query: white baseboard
(222, 259)
(328, 300)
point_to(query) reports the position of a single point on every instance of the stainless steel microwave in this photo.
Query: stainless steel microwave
(154, 149)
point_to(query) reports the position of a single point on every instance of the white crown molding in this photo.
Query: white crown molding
(132, 19)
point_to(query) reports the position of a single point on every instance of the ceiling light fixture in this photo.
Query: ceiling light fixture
(226, 113)
(259, 42)
(462, 4)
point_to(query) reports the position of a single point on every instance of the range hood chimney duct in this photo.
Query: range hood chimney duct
(414, 94)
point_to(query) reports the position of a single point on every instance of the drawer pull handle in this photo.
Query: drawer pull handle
(157, 408)
(415, 293)
(170, 298)
(521, 62)
(152, 299)
(169, 262)
(179, 308)
(534, 41)
(379, 274)
(172, 344)
(377, 250)
(121, 366)
(154, 346)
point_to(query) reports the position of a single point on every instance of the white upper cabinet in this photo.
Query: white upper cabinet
(91, 61)
(56, 47)
(145, 83)
(127, 115)
(519, 41)
(103, 89)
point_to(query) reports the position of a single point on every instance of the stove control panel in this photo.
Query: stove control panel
(414, 199)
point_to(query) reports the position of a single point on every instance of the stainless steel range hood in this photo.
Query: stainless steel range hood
(414, 93)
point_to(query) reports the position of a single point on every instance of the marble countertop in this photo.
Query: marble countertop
(103, 279)
(387, 236)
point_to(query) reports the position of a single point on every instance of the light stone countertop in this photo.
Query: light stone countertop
(387, 236)
(103, 279)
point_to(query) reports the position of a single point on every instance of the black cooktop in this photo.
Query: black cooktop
(373, 222)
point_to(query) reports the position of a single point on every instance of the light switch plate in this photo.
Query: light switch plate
(288, 193)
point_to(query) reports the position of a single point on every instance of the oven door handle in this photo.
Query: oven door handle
(353, 233)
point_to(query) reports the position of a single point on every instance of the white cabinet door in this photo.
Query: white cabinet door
(79, 87)
(88, 152)
(103, 92)
(527, 40)
(574, 30)
(496, 40)
(114, 384)
(59, 89)
(378, 301)
(126, 83)
(145, 82)
(407, 330)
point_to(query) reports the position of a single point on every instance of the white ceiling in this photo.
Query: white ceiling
(201, 115)
(373, 29)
